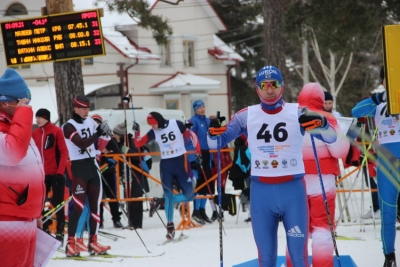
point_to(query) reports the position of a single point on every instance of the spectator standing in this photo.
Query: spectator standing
(200, 127)
(21, 174)
(274, 131)
(138, 182)
(312, 97)
(80, 133)
(54, 152)
(169, 134)
(109, 185)
(328, 104)
(388, 153)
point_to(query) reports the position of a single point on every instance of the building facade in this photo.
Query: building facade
(194, 64)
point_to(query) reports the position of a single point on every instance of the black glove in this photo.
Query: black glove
(99, 131)
(135, 127)
(193, 165)
(199, 159)
(216, 123)
(188, 124)
(311, 120)
(378, 97)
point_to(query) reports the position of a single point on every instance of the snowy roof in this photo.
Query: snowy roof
(222, 51)
(45, 97)
(113, 20)
(109, 23)
(185, 82)
(125, 46)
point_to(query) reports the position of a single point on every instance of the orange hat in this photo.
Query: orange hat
(97, 118)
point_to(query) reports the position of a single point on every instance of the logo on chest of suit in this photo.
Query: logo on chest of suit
(265, 163)
(79, 190)
(284, 163)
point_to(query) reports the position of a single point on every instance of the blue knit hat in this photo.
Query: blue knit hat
(269, 73)
(197, 104)
(13, 87)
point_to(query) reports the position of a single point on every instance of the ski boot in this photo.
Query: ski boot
(70, 248)
(95, 248)
(80, 246)
(390, 260)
(170, 231)
(118, 224)
(197, 217)
(204, 216)
(155, 205)
(60, 237)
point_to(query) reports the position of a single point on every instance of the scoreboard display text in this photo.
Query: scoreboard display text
(55, 37)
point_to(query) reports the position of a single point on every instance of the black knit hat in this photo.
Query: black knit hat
(156, 117)
(328, 96)
(43, 113)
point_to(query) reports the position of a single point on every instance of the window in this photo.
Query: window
(166, 54)
(88, 61)
(172, 104)
(16, 9)
(188, 53)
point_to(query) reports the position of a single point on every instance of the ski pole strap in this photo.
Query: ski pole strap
(217, 131)
(311, 125)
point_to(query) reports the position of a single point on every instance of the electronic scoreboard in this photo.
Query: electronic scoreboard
(55, 37)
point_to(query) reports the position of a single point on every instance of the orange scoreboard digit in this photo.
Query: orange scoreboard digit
(56, 37)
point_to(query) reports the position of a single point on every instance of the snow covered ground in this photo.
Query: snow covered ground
(202, 247)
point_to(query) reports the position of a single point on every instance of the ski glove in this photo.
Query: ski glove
(311, 120)
(135, 127)
(103, 129)
(199, 159)
(215, 126)
(188, 124)
(193, 165)
(379, 97)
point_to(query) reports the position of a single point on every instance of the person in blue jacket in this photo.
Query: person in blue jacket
(200, 127)
(274, 131)
(388, 151)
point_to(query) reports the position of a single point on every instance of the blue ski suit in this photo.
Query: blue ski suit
(387, 166)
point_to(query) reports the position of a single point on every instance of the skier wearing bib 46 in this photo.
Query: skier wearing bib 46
(275, 131)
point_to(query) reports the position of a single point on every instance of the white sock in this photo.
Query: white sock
(212, 204)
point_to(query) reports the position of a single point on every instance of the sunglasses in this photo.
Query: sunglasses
(265, 85)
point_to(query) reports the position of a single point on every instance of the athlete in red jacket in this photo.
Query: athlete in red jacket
(312, 97)
(21, 174)
(51, 144)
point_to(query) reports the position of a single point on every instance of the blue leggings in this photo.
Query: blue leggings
(269, 203)
(174, 169)
(83, 222)
(387, 176)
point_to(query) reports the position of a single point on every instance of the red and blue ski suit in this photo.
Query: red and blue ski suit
(275, 197)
